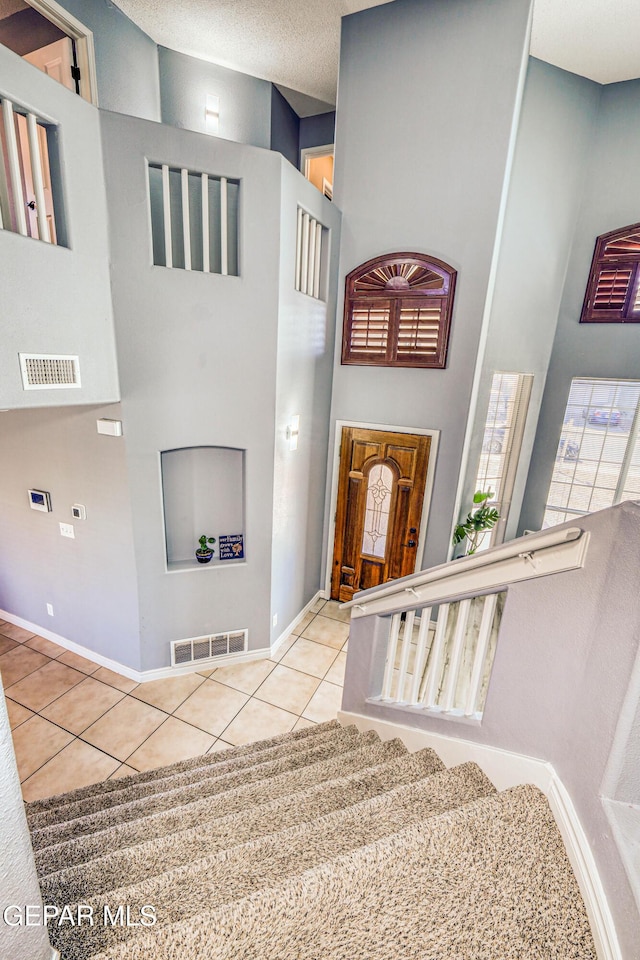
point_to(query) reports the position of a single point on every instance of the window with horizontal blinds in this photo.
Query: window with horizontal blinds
(613, 290)
(398, 312)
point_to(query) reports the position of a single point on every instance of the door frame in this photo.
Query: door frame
(83, 38)
(335, 475)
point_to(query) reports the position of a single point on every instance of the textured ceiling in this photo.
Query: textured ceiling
(296, 42)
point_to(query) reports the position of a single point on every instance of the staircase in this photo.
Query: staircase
(320, 844)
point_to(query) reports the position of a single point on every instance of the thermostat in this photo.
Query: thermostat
(79, 511)
(40, 500)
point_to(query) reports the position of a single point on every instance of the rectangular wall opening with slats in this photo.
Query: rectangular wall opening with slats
(194, 220)
(310, 249)
(30, 186)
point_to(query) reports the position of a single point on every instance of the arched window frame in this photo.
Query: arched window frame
(383, 337)
(613, 290)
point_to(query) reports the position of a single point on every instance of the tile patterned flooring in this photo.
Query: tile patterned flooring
(75, 723)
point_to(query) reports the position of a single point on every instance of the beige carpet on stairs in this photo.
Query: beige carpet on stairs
(319, 845)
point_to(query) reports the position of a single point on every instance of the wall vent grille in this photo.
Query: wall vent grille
(201, 649)
(41, 371)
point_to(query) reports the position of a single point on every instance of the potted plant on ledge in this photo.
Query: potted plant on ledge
(204, 553)
(477, 522)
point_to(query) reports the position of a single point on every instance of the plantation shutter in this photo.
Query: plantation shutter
(613, 290)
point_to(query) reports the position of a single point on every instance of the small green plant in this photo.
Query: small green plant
(477, 521)
(203, 541)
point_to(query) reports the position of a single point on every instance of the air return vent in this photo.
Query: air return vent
(201, 649)
(41, 371)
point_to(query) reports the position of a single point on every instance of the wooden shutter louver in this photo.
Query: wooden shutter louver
(398, 312)
(613, 290)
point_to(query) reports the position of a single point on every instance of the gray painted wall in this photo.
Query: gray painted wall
(91, 580)
(558, 115)
(567, 648)
(428, 178)
(245, 102)
(306, 331)
(610, 200)
(68, 310)
(197, 355)
(18, 877)
(126, 59)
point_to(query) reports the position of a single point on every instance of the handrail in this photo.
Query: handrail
(524, 548)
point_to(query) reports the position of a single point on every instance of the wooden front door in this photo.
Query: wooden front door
(380, 493)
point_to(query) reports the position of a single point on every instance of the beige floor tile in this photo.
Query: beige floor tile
(6, 644)
(211, 707)
(310, 657)
(346, 646)
(42, 645)
(325, 703)
(336, 671)
(174, 740)
(167, 694)
(83, 705)
(332, 609)
(18, 663)
(44, 685)
(36, 741)
(75, 766)
(121, 731)
(288, 689)
(115, 679)
(303, 723)
(304, 623)
(318, 605)
(124, 770)
(17, 713)
(220, 745)
(286, 644)
(325, 630)
(207, 673)
(16, 633)
(77, 662)
(245, 677)
(257, 721)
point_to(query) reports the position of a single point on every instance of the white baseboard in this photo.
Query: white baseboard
(320, 595)
(506, 769)
(139, 676)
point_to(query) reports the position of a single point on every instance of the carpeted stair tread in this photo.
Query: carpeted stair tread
(332, 740)
(235, 873)
(164, 852)
(488, 880)
(106, 786)
(79, 847)
(178, 796)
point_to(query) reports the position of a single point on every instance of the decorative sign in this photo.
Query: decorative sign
(231, 546)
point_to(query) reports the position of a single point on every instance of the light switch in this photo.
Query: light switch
(66, 529)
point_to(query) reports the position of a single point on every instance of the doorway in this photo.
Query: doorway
(316, 164)
(381, 490)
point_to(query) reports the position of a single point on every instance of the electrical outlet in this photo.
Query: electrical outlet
(50, 609)
(275, 619)
(66, 529)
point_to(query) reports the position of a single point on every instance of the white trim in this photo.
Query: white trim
(83, 37)
(320, 595)
(428, 484)
(506, 769)
(309, 153)
(139, 676)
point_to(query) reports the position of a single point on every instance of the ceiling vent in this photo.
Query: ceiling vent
(202, 649)
(42, 371)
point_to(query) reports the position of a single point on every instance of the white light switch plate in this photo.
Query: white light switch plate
(66, 529)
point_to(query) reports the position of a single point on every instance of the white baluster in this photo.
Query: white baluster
(299, 250)
(186, 225)
(13, 157)
(305, 253)
(479, 660)
(205, 222)
(224, 243)
(429, 687)
(166, 207)
(392, 647)
(421, 653)
(318, 262)
(407, 634)
(455, 659)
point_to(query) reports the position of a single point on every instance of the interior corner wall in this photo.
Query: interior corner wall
(285, 127)
(557, 121)
(57, 299)
(90, 580)
(428, 96)
(126, 59)
(598, 350)
(197, 359)
(317, 131)
(245, 101)
(306, 332)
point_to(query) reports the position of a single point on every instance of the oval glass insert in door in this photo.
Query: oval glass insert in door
(377, 510)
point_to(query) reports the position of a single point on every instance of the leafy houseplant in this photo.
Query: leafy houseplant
(204, 553)
(477, 521)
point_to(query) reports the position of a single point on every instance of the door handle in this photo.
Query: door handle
(409, 543)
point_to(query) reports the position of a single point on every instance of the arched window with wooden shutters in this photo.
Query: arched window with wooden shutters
(613, 290)
(397, 312)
